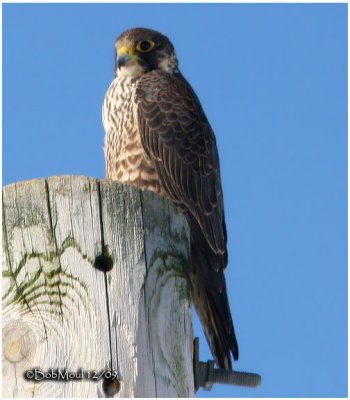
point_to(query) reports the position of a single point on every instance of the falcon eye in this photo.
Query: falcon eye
(145, 45)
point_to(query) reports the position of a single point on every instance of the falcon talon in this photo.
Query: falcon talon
(205, 375)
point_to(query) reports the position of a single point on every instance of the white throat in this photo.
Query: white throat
(131, 71)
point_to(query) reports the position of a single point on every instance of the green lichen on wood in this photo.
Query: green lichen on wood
(71, 242)
(47, 276)
(175, 262)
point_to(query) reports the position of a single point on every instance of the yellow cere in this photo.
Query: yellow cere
(126, 50)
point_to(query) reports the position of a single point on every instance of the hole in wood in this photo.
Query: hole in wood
(104, 262)
(111, 386)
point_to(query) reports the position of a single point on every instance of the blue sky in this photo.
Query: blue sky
(273, 82)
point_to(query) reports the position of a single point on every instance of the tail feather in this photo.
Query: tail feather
(210, 299)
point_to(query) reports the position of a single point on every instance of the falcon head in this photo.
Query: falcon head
(141, 50)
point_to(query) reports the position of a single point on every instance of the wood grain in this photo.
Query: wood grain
(60, 311)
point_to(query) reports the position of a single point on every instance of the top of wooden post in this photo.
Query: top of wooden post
(94, 279)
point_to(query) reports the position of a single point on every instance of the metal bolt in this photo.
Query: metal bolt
(205, 375)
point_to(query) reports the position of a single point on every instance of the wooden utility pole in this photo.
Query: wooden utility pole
(94, 279)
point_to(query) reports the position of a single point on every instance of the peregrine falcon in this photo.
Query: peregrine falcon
(158, 138)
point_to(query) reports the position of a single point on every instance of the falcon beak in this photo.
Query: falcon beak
(125, 57)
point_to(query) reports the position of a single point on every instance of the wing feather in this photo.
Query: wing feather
(180, 143)
(177, 137)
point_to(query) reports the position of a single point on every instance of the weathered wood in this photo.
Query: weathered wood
(60, 311)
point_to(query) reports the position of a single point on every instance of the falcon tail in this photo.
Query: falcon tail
(210, 298)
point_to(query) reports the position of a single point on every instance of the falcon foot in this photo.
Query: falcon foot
(205, 375)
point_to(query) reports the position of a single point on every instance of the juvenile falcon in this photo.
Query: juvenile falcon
(158, 138)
